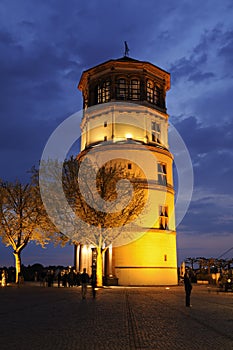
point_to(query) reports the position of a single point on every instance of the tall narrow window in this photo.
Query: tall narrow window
(155, 132)
(162, 174)
(121, 89)
(149, 91)
(106, 91)
(156, 95)
(103, 92)
(99, 92)
(152, 92)
(135, 89)
(163, 217)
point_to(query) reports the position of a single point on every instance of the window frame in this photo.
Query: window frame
(103, 91)
(135, 89)
(122, 89)
(155, 131)
(162, 173)
(163, 217)
(149, 90)
(152, 92)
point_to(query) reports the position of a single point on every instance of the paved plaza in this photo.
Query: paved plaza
(34, 317)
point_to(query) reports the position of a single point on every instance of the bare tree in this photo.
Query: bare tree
(104, 202)
(22, 218)
(109, 208)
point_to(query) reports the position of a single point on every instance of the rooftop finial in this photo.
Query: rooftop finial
(126, 49)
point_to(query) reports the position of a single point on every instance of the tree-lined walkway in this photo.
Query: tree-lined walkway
(119, 318)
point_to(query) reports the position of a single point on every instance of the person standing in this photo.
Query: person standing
(59, 279)
(84, 281)
(93, 283)
(188, 288)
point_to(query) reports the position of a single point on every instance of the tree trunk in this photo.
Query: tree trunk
(99, 270)
(17, 266)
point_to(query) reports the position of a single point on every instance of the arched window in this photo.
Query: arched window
(122, 89)
(156, 95)
(135, 89)
(106, 91)
(103, 92)
(152, 92)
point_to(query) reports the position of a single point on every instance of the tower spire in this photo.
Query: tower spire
(126, 49)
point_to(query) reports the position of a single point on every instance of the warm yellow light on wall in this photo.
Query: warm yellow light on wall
(129, 136)
(84, 249)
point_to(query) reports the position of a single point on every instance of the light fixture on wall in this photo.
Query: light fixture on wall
(129, 136)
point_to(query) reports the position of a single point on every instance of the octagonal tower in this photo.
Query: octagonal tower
(124, 102)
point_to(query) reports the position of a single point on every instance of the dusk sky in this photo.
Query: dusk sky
(45, 46)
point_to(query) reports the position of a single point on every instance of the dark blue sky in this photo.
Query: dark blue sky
(45, 46)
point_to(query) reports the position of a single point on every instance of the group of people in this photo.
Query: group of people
(70, 278)
(64, 278)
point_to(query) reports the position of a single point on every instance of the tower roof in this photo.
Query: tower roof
(124, 62)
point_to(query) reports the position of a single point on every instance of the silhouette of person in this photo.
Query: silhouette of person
(84, 281)
(188, 288)
(93, 282)
(59, 278)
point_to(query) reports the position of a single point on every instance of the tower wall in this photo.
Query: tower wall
(150, 260)
(136, 126)
(118, 121)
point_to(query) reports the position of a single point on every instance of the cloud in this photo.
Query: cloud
(207, 60)
(199, 76)
(201, 138)
(203, 246)
(6, 38)
(226, 49)
(186, 67)
(210, 148)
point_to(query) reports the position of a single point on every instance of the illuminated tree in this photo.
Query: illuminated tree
(103, 201)
(22, 218)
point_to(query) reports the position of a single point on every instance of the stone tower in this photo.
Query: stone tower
(124, 102)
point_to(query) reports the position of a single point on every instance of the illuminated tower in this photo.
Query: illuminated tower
(151, 259)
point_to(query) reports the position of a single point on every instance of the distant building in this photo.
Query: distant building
(151, 259)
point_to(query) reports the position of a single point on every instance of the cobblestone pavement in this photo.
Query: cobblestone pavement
(34, 317)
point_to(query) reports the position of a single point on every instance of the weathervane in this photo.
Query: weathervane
(126, 49)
